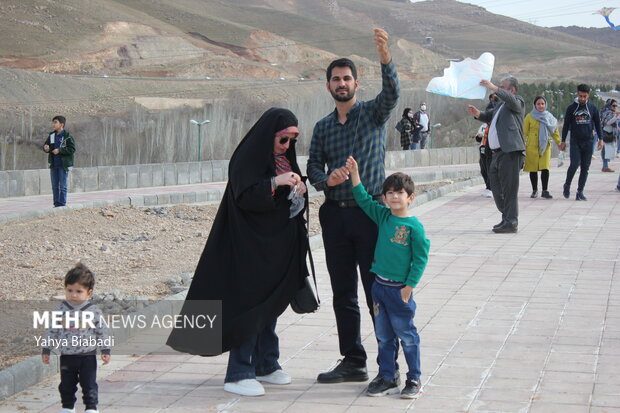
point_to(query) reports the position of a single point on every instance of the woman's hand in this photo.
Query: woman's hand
(288, 178)
(301, 188)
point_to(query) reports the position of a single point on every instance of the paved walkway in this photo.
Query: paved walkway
(526, 322)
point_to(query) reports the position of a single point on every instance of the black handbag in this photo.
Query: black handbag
(305, 300)
(608, 137)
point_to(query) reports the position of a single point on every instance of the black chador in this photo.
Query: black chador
(255, 257)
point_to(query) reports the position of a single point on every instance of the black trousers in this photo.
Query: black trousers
(76, 369)
(349, 238)
(485, 164)
(504, 179)
(580, 157)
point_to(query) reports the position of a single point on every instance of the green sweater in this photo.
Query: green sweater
(401, 252)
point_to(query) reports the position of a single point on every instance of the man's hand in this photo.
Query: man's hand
(56, 151)
(105, 358)
(489, 85)
(474, 111)
(45, 358)
(562, 146)
(338, 176)
(46, 148)
(381, 40)
(600, 145)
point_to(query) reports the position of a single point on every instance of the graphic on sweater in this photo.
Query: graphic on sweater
(401, 235)
(582, 116)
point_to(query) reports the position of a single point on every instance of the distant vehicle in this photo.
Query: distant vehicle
(301, 78)
(207, 78)
(282, 78)
(105, 76)
(613, 91)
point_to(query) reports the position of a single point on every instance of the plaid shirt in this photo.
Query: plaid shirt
(362, 135)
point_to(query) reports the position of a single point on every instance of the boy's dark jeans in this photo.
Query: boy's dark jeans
(76, 369)
(393, 321)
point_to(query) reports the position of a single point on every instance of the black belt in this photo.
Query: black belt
(496, 150)
(349, 203)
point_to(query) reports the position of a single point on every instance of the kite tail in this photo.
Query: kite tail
(613, 26)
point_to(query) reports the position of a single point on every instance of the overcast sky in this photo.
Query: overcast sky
(549, 13)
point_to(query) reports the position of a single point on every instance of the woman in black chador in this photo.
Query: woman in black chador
(255, 257)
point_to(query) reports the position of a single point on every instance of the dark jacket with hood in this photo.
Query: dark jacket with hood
(581, 120)
(255, 257)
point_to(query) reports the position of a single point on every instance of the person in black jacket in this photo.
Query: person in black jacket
(405, 127)
(581, 119)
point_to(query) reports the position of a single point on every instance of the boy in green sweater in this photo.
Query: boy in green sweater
(400, 258)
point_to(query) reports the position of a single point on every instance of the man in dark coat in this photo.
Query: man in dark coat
(508, 148)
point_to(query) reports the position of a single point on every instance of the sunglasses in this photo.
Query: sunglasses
(614, 106)
(284, 140)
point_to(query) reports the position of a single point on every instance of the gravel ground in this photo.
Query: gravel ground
(132, 251)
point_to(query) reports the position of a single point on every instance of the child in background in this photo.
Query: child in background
(78, 364)
(400, 258)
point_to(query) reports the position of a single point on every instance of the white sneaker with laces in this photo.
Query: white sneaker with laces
(245, 387)
(277, 377)
(64, 410)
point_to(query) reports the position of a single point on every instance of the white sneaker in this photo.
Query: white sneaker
(91, 411)
(67, 411)
(277, 377)
(487, 193)
(246, 387)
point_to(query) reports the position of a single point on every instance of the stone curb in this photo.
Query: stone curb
(31, 371)
(209, 195)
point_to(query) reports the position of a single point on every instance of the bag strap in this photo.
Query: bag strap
(316, 288)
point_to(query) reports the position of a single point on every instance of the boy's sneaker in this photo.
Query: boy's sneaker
(65, 410)
(411, 390)
(381, 387)
(91, 411)
(378, 377)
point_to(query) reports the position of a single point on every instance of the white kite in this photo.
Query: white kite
(462, 79)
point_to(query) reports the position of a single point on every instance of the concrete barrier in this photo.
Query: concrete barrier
(102, 178)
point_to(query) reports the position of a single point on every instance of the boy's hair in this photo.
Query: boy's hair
(398, 181)
(60, 119)
(583, 88)
(82, 275)
(342, 62)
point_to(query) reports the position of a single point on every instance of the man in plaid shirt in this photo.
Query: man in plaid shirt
(359, 129)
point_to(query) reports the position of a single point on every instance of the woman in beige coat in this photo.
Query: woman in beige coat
(539, 125)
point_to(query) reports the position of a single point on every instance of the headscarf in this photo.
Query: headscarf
(548, 125)
(607, 114)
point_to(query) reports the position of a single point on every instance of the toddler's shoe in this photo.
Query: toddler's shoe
(381, 387)
(245, 387)
(411, 390)
(277, 377)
